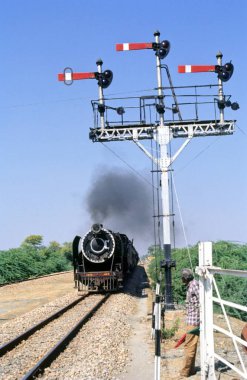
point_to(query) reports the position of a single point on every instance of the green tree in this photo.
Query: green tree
(156, 255)
(54, 245)
(66, 250)
(32, 259)
(33, 241)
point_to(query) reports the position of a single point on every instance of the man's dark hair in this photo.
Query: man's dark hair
(187, 274)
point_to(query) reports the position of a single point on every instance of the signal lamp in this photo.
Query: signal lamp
(105, 78)
(224, 72)
(221, 104)
(160, 108)
(235, 106)
(228, 103)
(101, 108)
(120, 111)
(96, 228)
(92, 135)
(162, 48)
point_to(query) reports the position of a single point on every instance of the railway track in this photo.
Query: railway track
(25, 356)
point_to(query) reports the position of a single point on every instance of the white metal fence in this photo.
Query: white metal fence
(208, 327)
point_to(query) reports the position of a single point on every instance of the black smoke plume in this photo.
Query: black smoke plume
(122, 202)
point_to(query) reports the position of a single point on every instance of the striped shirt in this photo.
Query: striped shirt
(192, 303)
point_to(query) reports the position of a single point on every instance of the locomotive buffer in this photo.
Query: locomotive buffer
(160, 130)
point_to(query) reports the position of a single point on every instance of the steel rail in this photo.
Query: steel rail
(59, 347)
(14, 342)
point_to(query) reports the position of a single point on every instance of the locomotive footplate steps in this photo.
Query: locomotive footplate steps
(99, 281)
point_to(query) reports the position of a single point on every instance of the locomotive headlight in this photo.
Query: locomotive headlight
(96, 228)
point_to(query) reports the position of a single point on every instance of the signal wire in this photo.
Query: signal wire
(126, 163)
(111, 94)
(154, 222)
(158, 183)
(158, 195)
(182, 223)
(157, 191)
(157, 207)
(172, 201)
(197, 155)
(241, 130)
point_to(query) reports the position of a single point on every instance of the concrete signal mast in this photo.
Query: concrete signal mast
(161, 130)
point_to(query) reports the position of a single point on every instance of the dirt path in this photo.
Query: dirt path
(140, 346)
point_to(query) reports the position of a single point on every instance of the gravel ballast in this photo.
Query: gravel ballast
(17, 362)
(99, 351)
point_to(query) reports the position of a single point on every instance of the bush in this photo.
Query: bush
(226, 255)
(31, 261)
(169, 333)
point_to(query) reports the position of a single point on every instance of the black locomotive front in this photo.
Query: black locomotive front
(102, 259)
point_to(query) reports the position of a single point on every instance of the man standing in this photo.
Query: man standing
(244, 336)
(192, 321)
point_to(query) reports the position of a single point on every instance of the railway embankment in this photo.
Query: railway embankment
(20, 298)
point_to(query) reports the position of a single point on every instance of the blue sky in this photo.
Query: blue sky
(48, 164)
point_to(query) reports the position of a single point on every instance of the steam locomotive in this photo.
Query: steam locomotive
(102, 259)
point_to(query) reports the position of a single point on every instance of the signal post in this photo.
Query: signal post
(163, 139)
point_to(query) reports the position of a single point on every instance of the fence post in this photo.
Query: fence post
(206, 312)
(157, 292)
(157, 314)
(153, 320)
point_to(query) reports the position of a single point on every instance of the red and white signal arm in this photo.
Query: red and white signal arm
(75, 76)
(70, 76)
(134, 46)
(196, 68)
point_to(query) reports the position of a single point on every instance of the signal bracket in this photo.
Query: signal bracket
(177, 129)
